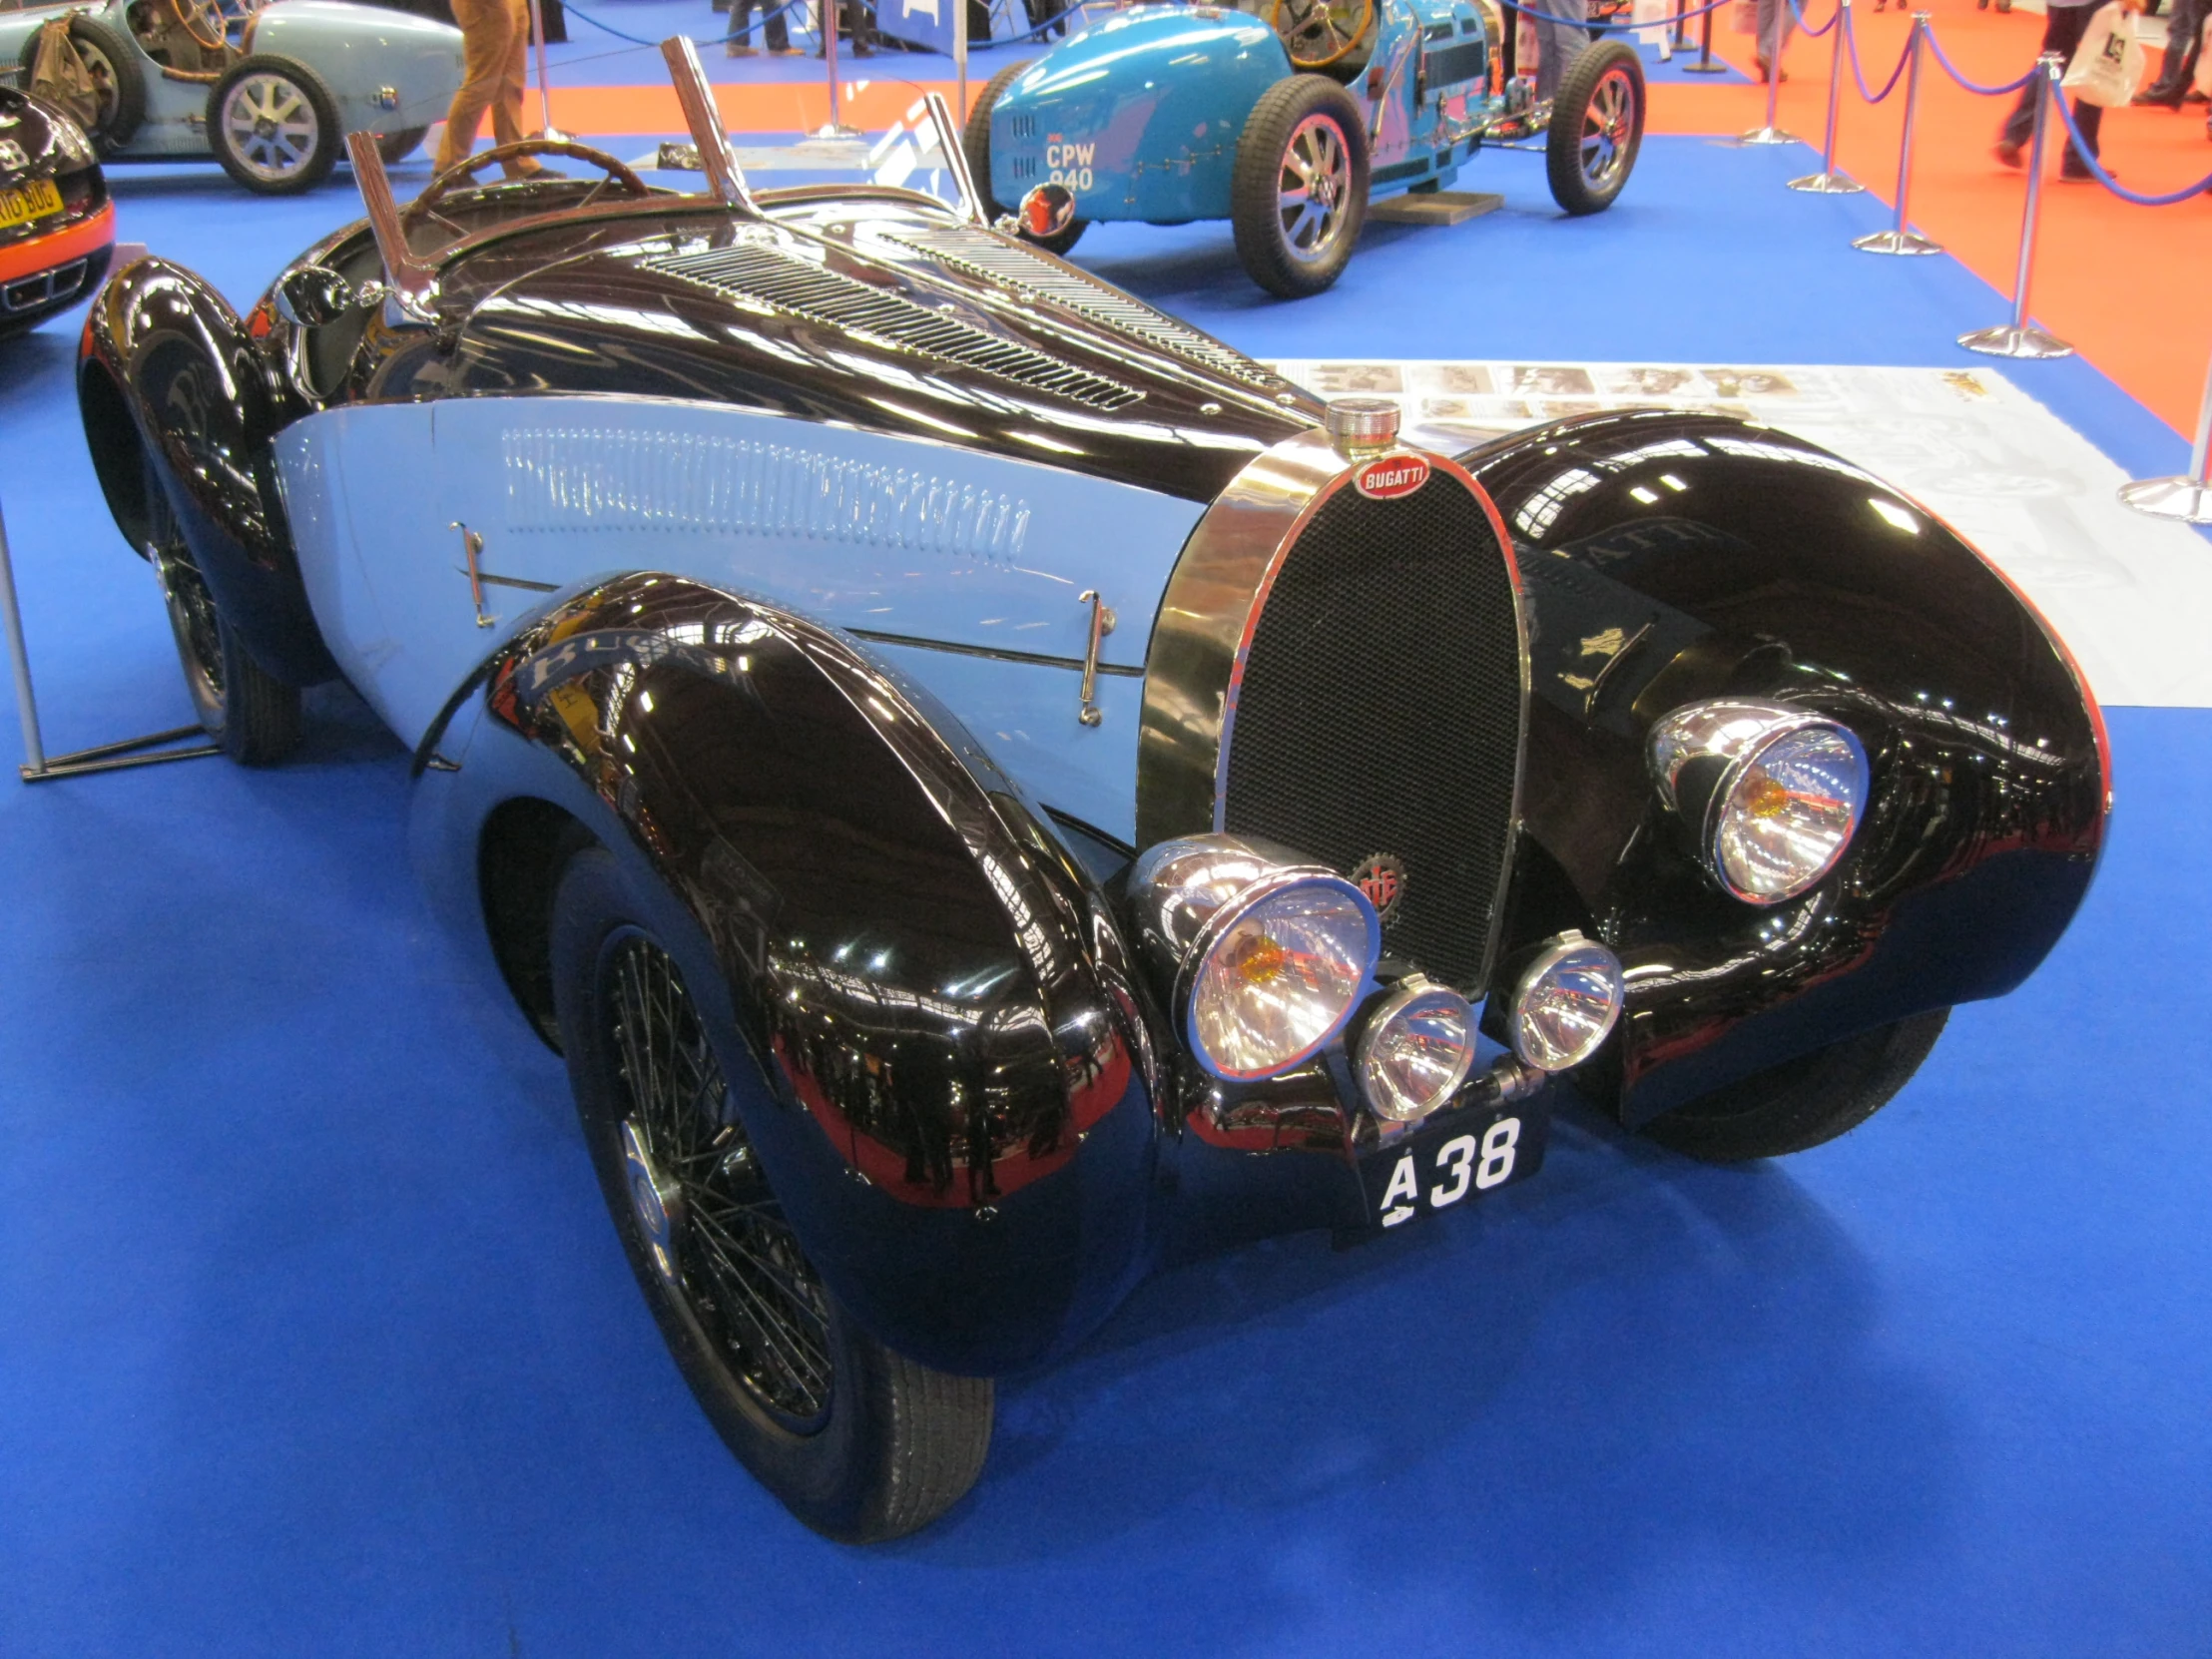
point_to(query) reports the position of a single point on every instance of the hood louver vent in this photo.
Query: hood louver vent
(758, 272)
(979, 254)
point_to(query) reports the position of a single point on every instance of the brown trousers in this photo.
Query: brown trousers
(494, 36)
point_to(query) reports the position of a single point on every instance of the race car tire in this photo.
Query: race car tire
(1803, 1102)
(254, 717)
(397, 146)
(1300, 127)
(860, 1444)
(976, 140)
(1597, 126)
(274, 125)
(114, 66)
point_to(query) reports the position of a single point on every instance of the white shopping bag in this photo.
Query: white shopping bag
(2108, 65)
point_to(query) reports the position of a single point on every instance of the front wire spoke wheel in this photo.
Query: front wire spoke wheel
(718, 1236)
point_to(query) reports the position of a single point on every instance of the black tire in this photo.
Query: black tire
(254, 717)
(1803, 1102)
(859, 1442)
(274, 125)
(1597, 127)
(397, 146)
(114, 63)
(976, 140)
(1285, 248)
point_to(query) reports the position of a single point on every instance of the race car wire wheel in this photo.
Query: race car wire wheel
(705, 1211)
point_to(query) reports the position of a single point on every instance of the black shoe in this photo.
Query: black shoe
(2192, 96)
(2069, 173)
(2157, 100)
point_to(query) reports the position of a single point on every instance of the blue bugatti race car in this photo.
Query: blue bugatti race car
(1286, 120)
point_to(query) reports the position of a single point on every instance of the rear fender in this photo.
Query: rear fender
(168, 374)
(930, 1032)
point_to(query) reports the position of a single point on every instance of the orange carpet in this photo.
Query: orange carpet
(2110, 277)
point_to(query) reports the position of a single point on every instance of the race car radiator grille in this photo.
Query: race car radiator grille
(760, 272)
(1380, 711)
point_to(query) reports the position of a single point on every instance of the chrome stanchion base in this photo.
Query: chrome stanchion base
(1705, 66)
(1895, 242)
(1767, 134)
(2004, 340)
(115, 757)
(2182, 498)
(1829, 183)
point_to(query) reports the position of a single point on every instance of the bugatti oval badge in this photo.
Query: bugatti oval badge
(1392, 476)
(1382, 878)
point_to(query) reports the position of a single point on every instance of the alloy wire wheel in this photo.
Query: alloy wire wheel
(272, 126)
(859, 1442)
(704, 1212)
(1300, 194)
(1597, 126)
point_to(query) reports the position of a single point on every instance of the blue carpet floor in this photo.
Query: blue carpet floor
(314, 1339)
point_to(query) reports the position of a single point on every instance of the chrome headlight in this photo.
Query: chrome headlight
(1565, 1003)
(1415, 1050)
(1773, 793)
(1265, 955)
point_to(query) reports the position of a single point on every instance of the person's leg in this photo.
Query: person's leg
(484, 26)
(2062, 34)
(776, 33)
(1562, 38)
(2180, 58)
(739, 35)
(507, 113)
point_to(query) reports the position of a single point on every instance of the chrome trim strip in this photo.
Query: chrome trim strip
(1035, 659)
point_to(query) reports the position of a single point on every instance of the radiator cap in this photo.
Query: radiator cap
(1361, 423)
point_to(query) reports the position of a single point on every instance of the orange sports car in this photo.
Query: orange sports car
(56, 226)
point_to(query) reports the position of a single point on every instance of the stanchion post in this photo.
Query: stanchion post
(546, 129)
(837, 128)
(1772, 52)
(959, 55)
(1830, 179)
(1902, 238)
(2020, 338)
(2190, 498)
(1705, 64)
(25, 703)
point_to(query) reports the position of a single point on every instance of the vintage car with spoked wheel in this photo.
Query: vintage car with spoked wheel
(56, 226)
(991, 790)
(1286, 118)
(273, 95)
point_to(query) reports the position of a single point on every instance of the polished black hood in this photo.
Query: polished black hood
(866, 310)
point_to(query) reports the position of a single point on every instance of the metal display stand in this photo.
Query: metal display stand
(1902, 238)
(1705, 64)
(38, 765)
(1832, 180)
(545, 90)
(837, 128)
(2187, 498)
(1768, 132)
(2020, 338)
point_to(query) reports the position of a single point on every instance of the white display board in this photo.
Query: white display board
(2130, 595)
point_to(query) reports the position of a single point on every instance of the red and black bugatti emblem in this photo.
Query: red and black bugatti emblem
(1392, 476)
(1382, 878)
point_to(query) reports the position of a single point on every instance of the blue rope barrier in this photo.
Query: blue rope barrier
(1942, 56)
(606, 28)
(1806, 30)
(2096, 167)
(1850, 51)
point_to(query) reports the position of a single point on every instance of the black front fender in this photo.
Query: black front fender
(175, 395)
(1670, 558)
(929, 1032)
